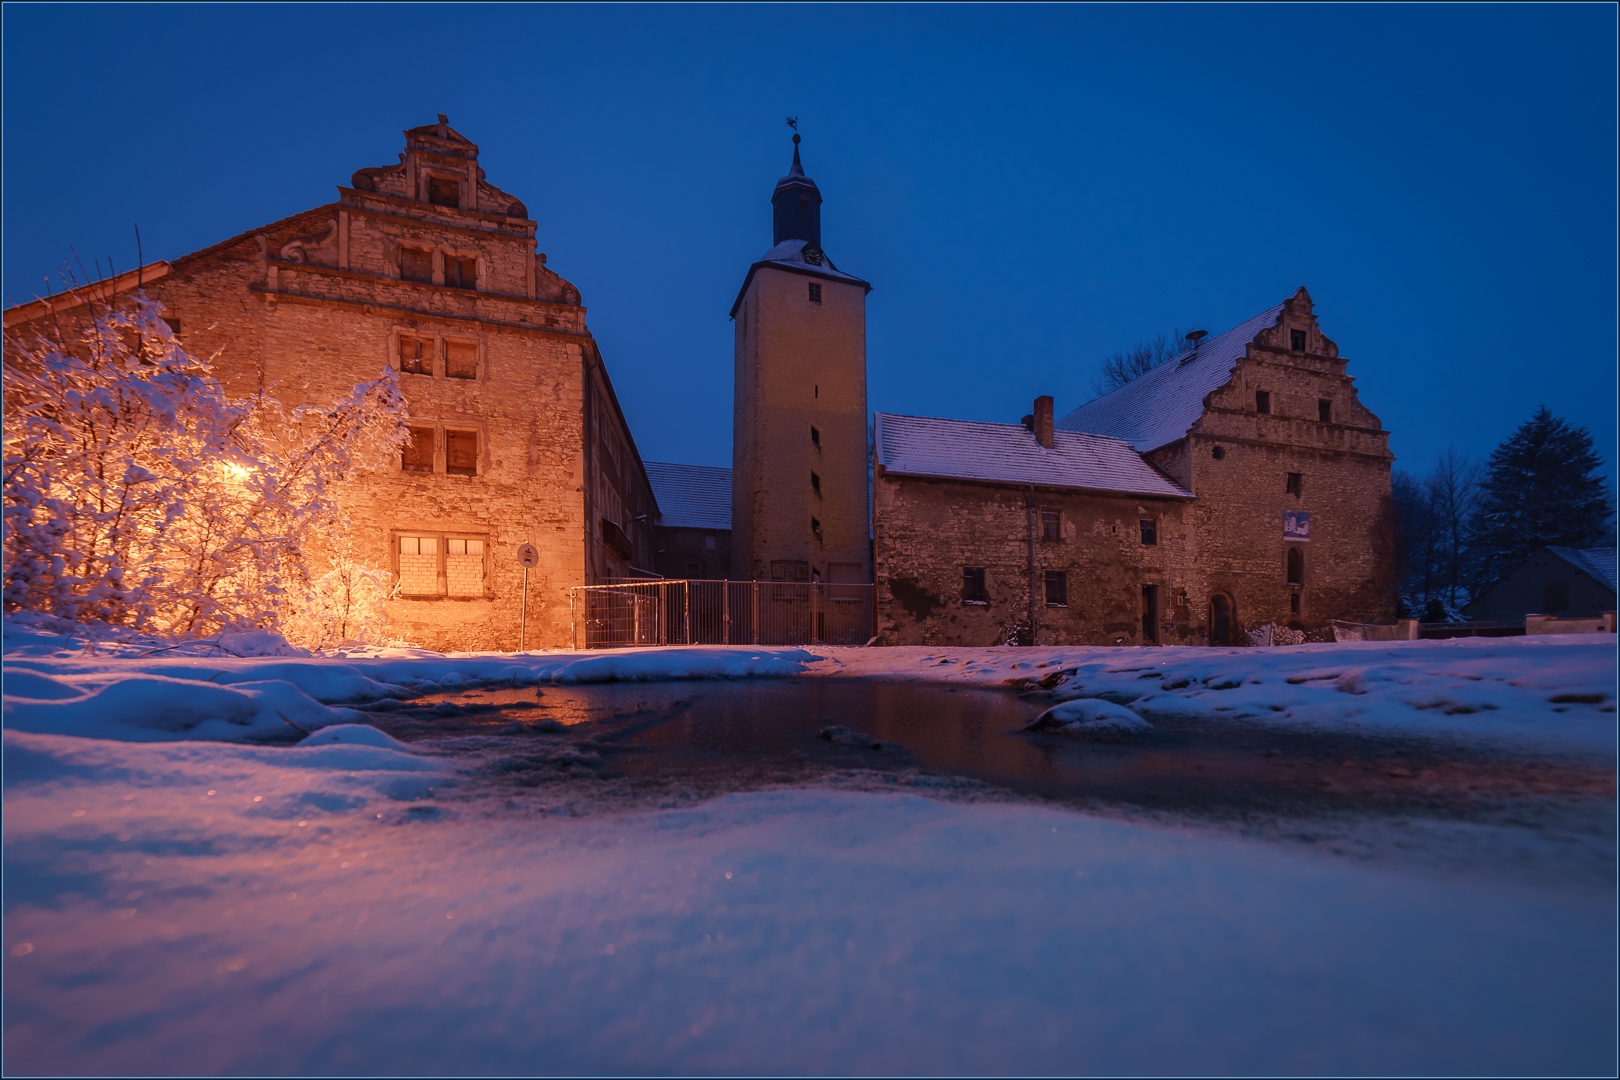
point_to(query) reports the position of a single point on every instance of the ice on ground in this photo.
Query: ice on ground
(212, 908)
(1094, 719)
(354, 735)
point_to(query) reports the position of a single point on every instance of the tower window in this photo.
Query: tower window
(1295, 484)
(815, 434)
(415, 356)
(815, 527)
(1218, 453)
(1295, 566)
(973, 590)
(815, 293)
(1057, 589)
(1324, 411)
(1150, 531)
(804, 202)
(1296, 338)
(1051, 525)
(815, 483)
(1293, 603)
(1262, 401)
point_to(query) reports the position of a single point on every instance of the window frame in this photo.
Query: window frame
(815, 292)
(478, 448)
(1055, 519)
(1324, 410)
(1294, 484)
(1262, 402)
(442, 538)
(1148, 531)
(1299, 340)
(433, 450)
(975, 581)
(422, 249)
(1061, 577)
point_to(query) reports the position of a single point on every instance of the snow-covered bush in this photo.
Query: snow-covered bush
(346, 605)
(137, 494)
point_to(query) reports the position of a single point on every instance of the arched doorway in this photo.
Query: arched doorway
(1220, 619)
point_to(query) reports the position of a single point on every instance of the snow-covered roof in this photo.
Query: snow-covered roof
(1010, 454)
(1161, 406)
(791, 253)
(1597, 562)
(691, 496)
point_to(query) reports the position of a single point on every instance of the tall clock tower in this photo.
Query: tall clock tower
(799, 509)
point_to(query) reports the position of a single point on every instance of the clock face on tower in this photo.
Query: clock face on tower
(812, 254)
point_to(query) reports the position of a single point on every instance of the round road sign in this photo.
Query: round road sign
(528, 556)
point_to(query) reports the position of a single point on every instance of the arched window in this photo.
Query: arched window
(1296, 566)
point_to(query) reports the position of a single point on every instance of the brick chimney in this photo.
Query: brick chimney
(1043, 420)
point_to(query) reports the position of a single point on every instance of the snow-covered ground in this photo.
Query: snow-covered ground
(182, 897)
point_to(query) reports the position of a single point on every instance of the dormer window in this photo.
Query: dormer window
(1296, 340)
(443, 192)
(1324, 411)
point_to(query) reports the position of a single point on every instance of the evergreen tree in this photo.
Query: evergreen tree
(1541, 487)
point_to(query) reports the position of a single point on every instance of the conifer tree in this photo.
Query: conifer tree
(1541, 487)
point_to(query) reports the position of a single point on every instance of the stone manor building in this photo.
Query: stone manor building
(516, 434)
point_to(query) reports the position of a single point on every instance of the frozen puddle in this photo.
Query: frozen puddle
(685, 877)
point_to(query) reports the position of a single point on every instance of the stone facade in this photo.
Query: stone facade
(1280, 432)
(517, 436)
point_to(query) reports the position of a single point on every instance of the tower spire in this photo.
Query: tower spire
(796, 202)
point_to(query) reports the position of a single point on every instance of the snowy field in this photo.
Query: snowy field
(192, 885)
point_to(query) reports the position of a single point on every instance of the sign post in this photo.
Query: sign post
(528, 556)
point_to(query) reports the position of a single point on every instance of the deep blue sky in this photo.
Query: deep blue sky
(1029, 189)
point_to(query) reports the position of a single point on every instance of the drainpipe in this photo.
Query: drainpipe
(1033, 522)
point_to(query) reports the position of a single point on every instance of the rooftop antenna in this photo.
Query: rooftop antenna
(1196, 337)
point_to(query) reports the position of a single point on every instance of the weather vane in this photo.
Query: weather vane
(793, 122)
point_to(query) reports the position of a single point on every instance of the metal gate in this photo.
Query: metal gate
(722, 613)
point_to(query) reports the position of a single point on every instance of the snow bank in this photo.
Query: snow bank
(204, 908)
(1099, 721)
(1548, 690)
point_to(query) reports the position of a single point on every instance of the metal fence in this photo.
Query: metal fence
(722, 613)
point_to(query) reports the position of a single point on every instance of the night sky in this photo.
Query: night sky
(1028, 189)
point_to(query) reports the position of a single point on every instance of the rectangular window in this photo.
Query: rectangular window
(1324, 411)
(1262, 401)
(415, 355)
(460, 360)
(815, 527)
(1057, 588)
(418, 453)
(443, 192)
(1295, 484)
(460, 273)
(788, 570)
(815, 293)
(1555, 597)
(419, 566)
(174, 326)
(1297, 340)
(1150, 531)
(461, 453)
(464, 566)
(973, 589)
(1293, 603)
(815, 483)
(416, 264)
(1051, 525)
(815, 435)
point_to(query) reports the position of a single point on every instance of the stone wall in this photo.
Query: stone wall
(519, 435)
